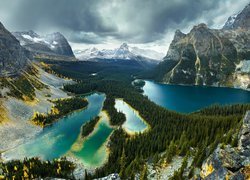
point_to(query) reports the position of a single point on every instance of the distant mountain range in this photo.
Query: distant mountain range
(213, 57)
(51, 44)
(124, 52)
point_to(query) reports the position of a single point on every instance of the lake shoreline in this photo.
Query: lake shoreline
(195, 85)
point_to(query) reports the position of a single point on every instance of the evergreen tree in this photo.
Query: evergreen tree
(122, 164)
(144, 173)
(171, 151)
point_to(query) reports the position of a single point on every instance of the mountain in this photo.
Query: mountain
(207, 56)
(54, 44)
(13, 57)
(124, 52)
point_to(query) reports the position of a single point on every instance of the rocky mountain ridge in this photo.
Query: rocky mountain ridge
(52, 44)
(207, 56)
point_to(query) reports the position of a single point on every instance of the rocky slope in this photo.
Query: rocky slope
(230, 162)
(13, 57)
(207, 56)
(21, 97)
(53, 44)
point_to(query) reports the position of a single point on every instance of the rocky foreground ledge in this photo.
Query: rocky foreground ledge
(230, 162)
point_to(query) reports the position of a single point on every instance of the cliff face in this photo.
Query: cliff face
(207, 56)
(13, 57)
(230, 162)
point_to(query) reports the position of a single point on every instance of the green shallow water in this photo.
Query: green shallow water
(56, 141)
(187, 99)
(93, 152)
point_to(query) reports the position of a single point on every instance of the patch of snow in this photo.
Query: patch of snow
(231, 20)
(35, 39)
(52, 47)
(55, 42)
(27, 37)
(93, 74)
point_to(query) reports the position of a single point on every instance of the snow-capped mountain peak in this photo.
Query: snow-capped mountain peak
(124, 52)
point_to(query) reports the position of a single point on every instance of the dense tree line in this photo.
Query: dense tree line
(171, 132)
(89, 126)
(34, 168)
(116, 118)
(236, 109)
(61, 108)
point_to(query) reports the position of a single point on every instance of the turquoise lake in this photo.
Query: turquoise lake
(186, 99)
(134, 123)
(55, 141)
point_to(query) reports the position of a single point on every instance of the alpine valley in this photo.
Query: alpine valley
(128, 112)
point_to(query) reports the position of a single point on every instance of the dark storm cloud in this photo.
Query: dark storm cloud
(96, 21)
(77, 15)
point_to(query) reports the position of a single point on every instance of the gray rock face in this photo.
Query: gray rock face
(244, 139)
(206, 56)
(54, 43)
(13, 57)
(230, 162)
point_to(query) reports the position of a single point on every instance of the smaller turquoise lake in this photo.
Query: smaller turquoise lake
(134, 123)
(186, 99)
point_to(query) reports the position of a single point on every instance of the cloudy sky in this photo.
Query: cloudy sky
(108, 23)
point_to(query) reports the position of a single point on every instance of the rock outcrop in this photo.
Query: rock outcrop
(13, 57)
(230, 162)
(207, 56)
(114, 176)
